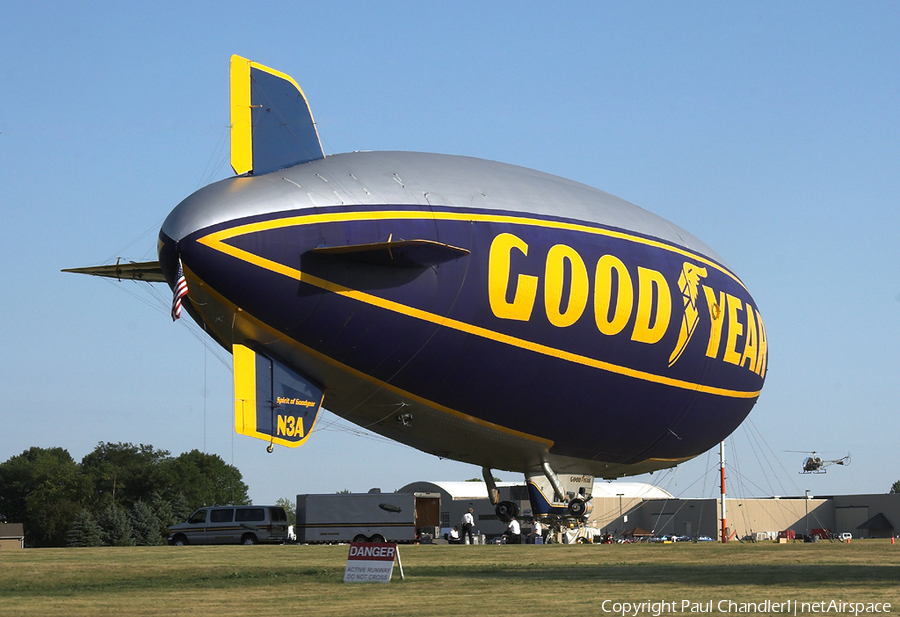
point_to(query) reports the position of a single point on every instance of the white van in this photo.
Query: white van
(232, 525)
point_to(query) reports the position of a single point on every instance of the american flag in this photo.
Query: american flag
(179, 291)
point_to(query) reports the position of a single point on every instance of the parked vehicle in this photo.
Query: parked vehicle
(367, 517)
(232, 525)
(787, 534)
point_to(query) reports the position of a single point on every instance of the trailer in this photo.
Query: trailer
(367, 517)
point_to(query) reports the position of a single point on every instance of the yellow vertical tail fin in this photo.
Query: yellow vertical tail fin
(271, 124)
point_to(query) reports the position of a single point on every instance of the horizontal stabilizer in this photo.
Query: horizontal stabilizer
(271, 124)
(271, 401)
(148, 271)
(398, 254)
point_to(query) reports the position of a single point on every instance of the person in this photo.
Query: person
(468, 524)
(537, 532)
(513, 532)
(453, 537)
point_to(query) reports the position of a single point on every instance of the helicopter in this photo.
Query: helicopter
(816, 464)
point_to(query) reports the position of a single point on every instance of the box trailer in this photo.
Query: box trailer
(367, 517)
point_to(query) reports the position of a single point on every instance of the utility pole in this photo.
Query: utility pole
(620, 495)
(807, 513)
(722, 469)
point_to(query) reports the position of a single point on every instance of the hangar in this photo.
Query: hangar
(864, 516)
(621, 506)
(458, 497)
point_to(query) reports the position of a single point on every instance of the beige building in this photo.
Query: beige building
(12, 536)
(622, 506)
(864, 516)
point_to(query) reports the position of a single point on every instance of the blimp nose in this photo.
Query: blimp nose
(176, 246)
(184, 240)
(208, 207)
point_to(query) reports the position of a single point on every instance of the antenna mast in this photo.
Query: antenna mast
(722, 469)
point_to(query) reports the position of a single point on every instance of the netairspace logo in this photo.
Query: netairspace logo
(766, 607)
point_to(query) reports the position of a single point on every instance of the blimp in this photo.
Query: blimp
(475, 310)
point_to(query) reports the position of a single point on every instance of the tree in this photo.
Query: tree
(896, 487)
(145, 525)
(204, 480)
(290, 508)
(115, 527)
(84, 531)
(123, 473)
(44, 489)
(181, 509)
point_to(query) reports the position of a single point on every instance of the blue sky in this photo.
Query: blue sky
(769, 130)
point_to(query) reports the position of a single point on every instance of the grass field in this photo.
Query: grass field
(451, 580)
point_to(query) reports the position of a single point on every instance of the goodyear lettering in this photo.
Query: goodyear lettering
(748, 358)
(612, 313)
(620, 299)
(554, 283)
(654, 298)
(753, 352)
(654, 307)
(290, 426)
(762, 349)
(735, 329)
(714, 304)
(525, 289)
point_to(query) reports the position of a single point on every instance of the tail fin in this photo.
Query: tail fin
(271, 124)
(272, 402)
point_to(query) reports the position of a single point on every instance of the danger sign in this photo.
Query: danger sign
(371, 562)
